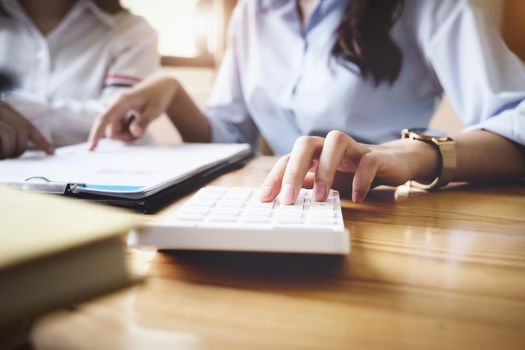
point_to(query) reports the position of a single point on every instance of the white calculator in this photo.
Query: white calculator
(234, 219)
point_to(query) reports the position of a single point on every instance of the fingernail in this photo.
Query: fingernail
(265, 191)
(319, 190)
(357, 197)
(287, 194)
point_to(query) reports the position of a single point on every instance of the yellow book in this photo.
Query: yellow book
(55, 252)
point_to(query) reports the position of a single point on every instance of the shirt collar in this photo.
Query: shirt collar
(265, 5)
(271, 4)
(13, 8)
(103, 16)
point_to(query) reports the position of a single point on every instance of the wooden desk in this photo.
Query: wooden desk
(439, 270)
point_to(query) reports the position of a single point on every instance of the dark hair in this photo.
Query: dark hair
(110, 6)
(3, 12)
(363, 38)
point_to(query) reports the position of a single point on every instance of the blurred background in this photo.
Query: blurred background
(192, 37)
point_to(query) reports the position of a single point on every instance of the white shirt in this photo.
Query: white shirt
(280, 80)
(68, 77)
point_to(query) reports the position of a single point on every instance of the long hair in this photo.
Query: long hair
(3, 12)
(363, 38)
(110, 6)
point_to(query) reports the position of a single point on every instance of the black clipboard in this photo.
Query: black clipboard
(147, 199)
(151, 204)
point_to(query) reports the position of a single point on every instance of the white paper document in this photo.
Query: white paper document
(118, 169)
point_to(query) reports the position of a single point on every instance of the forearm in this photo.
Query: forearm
(34, 106)
(483, 155)
(62, 122)
(191, 123)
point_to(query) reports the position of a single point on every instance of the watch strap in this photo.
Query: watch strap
(447, 157)
(448, 160)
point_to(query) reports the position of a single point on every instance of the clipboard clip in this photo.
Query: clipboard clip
(45, 179)
(42, 184)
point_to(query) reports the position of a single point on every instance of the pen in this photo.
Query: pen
(129, 117)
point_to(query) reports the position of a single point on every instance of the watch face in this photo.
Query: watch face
(430, 133)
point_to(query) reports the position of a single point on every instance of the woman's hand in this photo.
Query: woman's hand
(340, 162)
(150, 99)
(16, 132)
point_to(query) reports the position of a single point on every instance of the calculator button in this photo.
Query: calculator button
(238, 194)
(257, 204)
(202, 202)
(299, 201)
(235, 203)
(315, 210)
(288, 220)
(335, 198)
(289, 211)
(226, 211)
(328, 204)
(223, 218)
(322, 213)
(257, 212)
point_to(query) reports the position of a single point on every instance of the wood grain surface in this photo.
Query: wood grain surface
(443, 270)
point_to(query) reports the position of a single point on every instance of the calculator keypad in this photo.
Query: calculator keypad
(239, 207)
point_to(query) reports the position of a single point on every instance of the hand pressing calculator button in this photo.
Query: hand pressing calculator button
(234, 219)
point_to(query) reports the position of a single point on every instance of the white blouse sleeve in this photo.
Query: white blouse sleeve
(135, 52)
(484, 80)
(229, 118)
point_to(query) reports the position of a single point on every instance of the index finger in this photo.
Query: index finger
(305, 150)
(40, 141)
(117, 110)
(26, 130)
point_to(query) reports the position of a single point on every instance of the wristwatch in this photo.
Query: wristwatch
(446, 148)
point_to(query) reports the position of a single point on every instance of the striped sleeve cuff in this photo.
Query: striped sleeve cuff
(120, 80)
